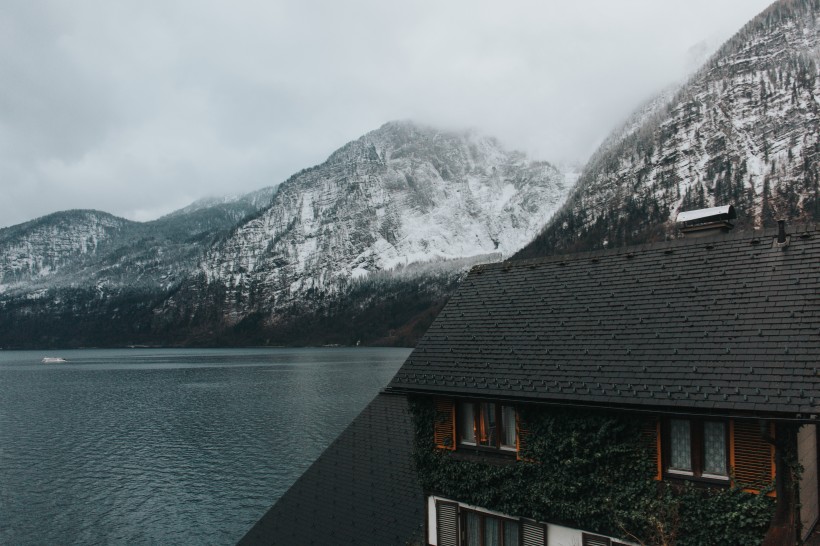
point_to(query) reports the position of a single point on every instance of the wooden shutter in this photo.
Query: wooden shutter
(521, 437)
(447, 523)
(750, 456)
(444, 429)
(651, 436)
(533, 534)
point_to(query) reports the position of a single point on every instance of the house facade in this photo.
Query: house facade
(658, 394)
(708, 345)
(582, 475)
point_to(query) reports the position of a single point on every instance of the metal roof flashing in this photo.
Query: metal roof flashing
(706, 222)
(726, 212)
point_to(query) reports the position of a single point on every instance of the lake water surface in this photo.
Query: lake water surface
(177, 446)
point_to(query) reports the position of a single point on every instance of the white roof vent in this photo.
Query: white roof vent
(704, 222)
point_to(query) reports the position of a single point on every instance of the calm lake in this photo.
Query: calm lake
(177, 446)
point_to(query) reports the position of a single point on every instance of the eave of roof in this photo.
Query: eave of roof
(729, 323)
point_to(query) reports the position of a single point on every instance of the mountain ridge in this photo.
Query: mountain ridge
(401, 194)
(378, 234)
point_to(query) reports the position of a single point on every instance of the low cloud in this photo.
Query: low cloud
(138, 108)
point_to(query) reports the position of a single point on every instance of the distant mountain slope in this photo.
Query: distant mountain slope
(242, 204)
(42, 248)
(744, 130)
(86, 247)
(214, 214)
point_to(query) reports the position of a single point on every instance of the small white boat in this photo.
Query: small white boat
(53, 360)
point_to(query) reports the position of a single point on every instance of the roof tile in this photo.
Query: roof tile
(687, 314)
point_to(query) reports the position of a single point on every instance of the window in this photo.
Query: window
(714, 448)
(480, 529)
(460, 525)
(487, 425)
(680, 445)
(696, 448)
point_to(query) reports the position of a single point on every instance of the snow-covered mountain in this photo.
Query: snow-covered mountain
(398, 195)
(389, 221)
(88, 247)
(745, 130)
(42, 248)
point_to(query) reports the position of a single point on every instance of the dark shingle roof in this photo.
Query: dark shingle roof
(728, 323)
(362, 489)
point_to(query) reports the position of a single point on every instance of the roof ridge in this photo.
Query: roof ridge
(732, 236)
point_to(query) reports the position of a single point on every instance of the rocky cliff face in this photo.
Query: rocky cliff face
(744, 130)
(399, 195)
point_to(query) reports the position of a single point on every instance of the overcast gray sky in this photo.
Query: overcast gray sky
(138, 108)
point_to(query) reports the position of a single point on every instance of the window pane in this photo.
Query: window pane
(511, 533)
(714, 448)
(473, 529)
(492, 531)
(467, 422)
(508, 426)
(488, 429)
(680, 445)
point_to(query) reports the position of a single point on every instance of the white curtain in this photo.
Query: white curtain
(511, 533)
(467, 423)
(473, 529)
(508, 424)
(492, 534)
(714, 447)
(488, 429)
(681, 442)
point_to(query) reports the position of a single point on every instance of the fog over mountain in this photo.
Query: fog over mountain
(367, 245)
(744, 130)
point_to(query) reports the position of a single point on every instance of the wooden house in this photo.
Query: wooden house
(549, 391)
